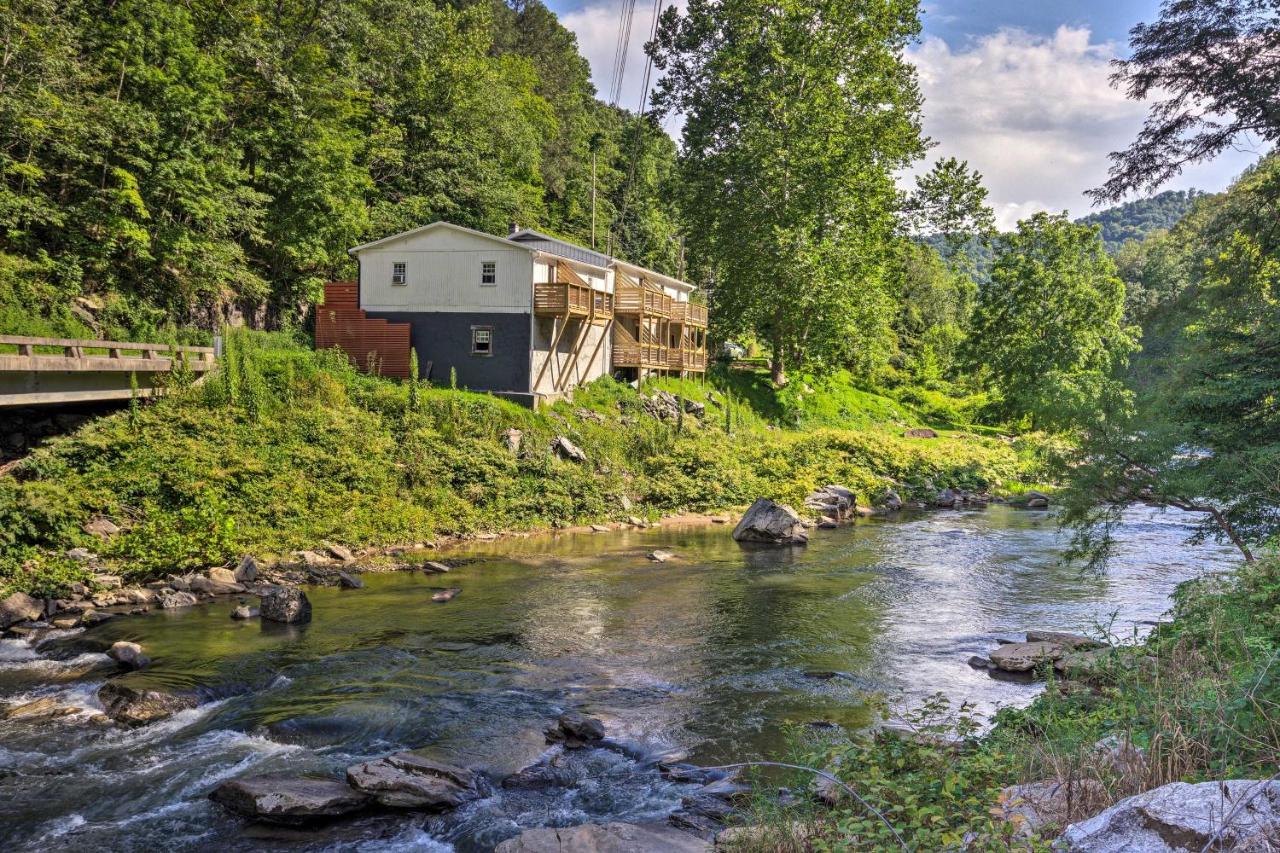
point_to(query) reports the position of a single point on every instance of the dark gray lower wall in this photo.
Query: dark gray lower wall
(444, 339)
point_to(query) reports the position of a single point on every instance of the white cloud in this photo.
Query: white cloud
(596, 25)
(1037, 116)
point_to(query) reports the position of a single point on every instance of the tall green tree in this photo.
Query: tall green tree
(1049, 328)
(797, 114)
(1206, 437)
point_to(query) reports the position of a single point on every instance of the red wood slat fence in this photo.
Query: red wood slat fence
(368, 342)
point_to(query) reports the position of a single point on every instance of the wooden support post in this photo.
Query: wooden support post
(555, 341)
(574, 351)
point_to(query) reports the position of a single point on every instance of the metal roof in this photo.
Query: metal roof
(553, 246)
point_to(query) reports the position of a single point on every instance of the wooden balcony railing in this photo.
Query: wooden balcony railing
(689, 313)
(648, 351)
(569, 299)
(642, 300)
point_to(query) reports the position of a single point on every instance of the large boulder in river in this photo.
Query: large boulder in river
(1237, 815)
(289, 800)
(1024, 657)
(835, 502)
(19, 607)
(134, 706)
(129, 655)
(407, 780)
(774, 523)
(286, 604)
(605, 838)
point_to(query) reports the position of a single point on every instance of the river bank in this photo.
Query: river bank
(287, 449)
(717, 654)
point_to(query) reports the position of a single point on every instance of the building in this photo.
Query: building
(526, 316)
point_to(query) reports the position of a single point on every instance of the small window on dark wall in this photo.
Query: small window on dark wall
(399, 273)
(481, 340)
(488, 272)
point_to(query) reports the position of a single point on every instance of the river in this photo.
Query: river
(710, 653)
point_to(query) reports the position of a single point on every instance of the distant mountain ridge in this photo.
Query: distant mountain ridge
(1134, 220)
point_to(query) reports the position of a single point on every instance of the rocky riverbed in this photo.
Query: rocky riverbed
(659, 667)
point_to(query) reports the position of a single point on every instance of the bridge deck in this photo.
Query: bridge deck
(37, 370)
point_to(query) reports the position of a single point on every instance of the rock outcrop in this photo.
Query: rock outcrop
(1036, 806)
(772, 523)
(566, 449)
(19, 607)
(605, 838)
(1241, 814)
(288, 800)
(407, 780)
(834, 502)
(286, 604)
(134, 706)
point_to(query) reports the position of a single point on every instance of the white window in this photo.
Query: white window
(399, 272)
(488, 272)
(482, 340)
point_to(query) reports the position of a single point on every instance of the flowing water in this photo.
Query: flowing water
(710, 654)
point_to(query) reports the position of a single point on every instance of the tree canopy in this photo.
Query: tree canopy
(185, 162)
(1048, 329)
(796, 117)
(1212, 67)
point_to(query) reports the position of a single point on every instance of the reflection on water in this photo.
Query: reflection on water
(711, 653)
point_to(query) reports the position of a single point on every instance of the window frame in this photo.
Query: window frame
(487, 263)
(403, 273)
(475, 330)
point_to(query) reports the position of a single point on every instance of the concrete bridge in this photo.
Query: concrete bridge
(36, 371)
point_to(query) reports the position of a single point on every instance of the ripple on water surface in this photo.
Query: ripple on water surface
(711, 653)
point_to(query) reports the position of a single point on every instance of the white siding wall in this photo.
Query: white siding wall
(443, 268)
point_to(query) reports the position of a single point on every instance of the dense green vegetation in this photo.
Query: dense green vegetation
(1134, 220)
(172, 164)
(286, 448)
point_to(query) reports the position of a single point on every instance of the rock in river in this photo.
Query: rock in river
(407, 780)
(290, 800)
(1023, 657)
(771, 522)
(1062, 638)
(286, 604)
(137, 707)
(605, 838)
(129, 655)
(576, 729)
(446, 594)
(1182, 816)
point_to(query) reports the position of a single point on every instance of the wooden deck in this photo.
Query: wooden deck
(37, 371)
(567, 299)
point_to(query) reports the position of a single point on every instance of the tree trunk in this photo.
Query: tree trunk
(776, 366)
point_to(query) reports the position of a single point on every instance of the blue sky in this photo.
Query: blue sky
(1018, 88)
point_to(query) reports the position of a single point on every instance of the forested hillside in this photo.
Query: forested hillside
(1134, 220)
(174, 163)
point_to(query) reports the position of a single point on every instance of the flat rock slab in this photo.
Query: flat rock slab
(605, 838)
(289, 800)
(1023, 657)
(407, 780)
(1062, 638)
(1181, 816)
